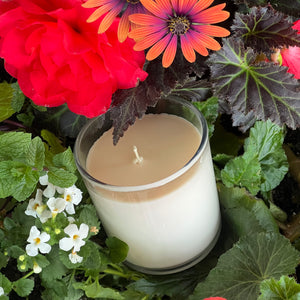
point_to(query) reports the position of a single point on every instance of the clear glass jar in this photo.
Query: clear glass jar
(171, 224)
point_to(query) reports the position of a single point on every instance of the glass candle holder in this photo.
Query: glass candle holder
(169, 224)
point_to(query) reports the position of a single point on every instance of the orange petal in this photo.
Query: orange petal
(164, 5)
(124, 26)
(92, 3)
(197, 45)
(108, 19)
(148, 41)
(209, 42)
(170, 52)
(98, 13)
(143, 19)
(212, 30)
(151, 6)
(158, 48)
(200, 5)
(212, 15)
(142, 32)
(187, 49)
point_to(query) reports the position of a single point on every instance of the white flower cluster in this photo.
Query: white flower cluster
(68, 197)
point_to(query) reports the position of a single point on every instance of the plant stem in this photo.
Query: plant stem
(27, 275)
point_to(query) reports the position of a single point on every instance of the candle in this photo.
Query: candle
(166, 143)
(155, 189)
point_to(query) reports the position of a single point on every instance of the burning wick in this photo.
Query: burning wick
(138, 159)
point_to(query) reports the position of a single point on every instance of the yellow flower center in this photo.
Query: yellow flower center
(179, 25)
(75, 236)
(133, 1)
(68, 198)
(37, 240)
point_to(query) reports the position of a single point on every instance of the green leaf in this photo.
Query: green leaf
(245, 214)
(65, 160)
(286, 288)
(5, 283)
(18, 97)
(224, 141)
(6, 94)
(41, 260)
(53, 141)
(3, 261)
(55, 270)
(265, 88)
(243, 171)
(95, 290)
(23, 287)
(92, 256)
(17, 180)
(35, 155)
(61, 177)
(265, 28)
(26, 119)
(118, 250)
(55, 289)
(13, 145)
(241, 269)
(88, 215)
(72, 293)
(266, 140)
(209, 109)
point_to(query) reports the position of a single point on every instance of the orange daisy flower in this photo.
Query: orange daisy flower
(111, 9)
(171, 21)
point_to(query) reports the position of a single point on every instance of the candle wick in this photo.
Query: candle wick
(138, 159)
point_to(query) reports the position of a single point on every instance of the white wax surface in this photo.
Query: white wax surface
(165, 226)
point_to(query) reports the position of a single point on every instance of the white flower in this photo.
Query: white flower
(37, 241)
(75, 258)
(71, 220)
(56, 205)
(1, 291)
(51, 188)
(75, 239)
(36, 207)
(36, 268)
(72, 195)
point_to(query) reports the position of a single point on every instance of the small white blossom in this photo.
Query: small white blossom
(1, 291)
(36, 207)
(37, 241)
(71, 220)
(56, 205)
(72, 196)
(75, 258)
(75, 240)
(36, 268)
(51, 188)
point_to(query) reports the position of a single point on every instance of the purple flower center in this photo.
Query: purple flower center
(179, 25)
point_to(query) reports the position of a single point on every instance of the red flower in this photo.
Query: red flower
(215, 298)
(291, 56)
(59, 58)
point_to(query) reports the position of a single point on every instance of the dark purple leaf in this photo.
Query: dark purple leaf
(265, 28)
(265, 89)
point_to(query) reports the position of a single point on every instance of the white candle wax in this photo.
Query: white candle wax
(167, 225)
